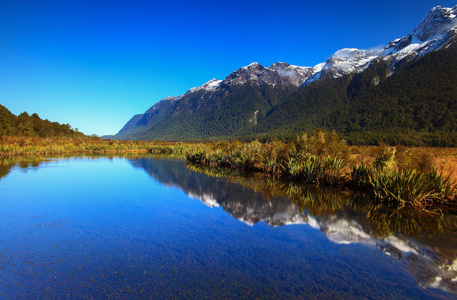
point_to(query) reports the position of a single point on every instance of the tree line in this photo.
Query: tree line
(26, 125)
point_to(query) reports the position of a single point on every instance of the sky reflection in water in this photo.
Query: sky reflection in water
(149, 228)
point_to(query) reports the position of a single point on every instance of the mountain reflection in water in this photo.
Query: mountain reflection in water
(425, 242)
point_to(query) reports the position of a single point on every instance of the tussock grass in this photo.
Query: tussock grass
(403, 177)
(320, 158)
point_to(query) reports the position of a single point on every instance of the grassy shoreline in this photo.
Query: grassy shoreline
(400, 176)
(18, 146)
(395, 176)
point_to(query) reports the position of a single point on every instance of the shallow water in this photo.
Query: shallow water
(148, 227)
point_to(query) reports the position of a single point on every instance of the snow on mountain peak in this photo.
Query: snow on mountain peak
(211, 85)
(437, 30)
(278, 72)
(252, 65)
(351, 57)
(208, 86)
(285, 69)
(436, 22)
(433, 32)
(342, 62)
(296, 74)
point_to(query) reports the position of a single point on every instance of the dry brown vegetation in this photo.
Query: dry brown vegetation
(422, 158)
(400, 176)
(392, 174)
(15, 146)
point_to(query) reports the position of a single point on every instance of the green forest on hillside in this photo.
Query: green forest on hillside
(33, 126)
(415, 106)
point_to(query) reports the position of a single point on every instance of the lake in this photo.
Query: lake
(148, 227)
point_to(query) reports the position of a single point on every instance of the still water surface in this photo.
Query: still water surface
(148, 227)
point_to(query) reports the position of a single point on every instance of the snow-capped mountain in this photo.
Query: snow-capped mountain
(278, 72)
(438, 21)
(344, 61)
(437, 30)
(256, 99)
(208, 86)
(280, 77)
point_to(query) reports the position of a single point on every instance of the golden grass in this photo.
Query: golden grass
(20, 146)
(445, 159)
(321, 158)
(403, 176)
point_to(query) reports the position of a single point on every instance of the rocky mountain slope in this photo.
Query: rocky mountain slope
(282, 100)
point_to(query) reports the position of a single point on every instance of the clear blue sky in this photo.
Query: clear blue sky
(94, 64)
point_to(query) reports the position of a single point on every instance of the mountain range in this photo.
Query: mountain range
(405, 92)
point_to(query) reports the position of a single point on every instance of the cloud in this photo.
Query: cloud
(376, 49)
(283, 72)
